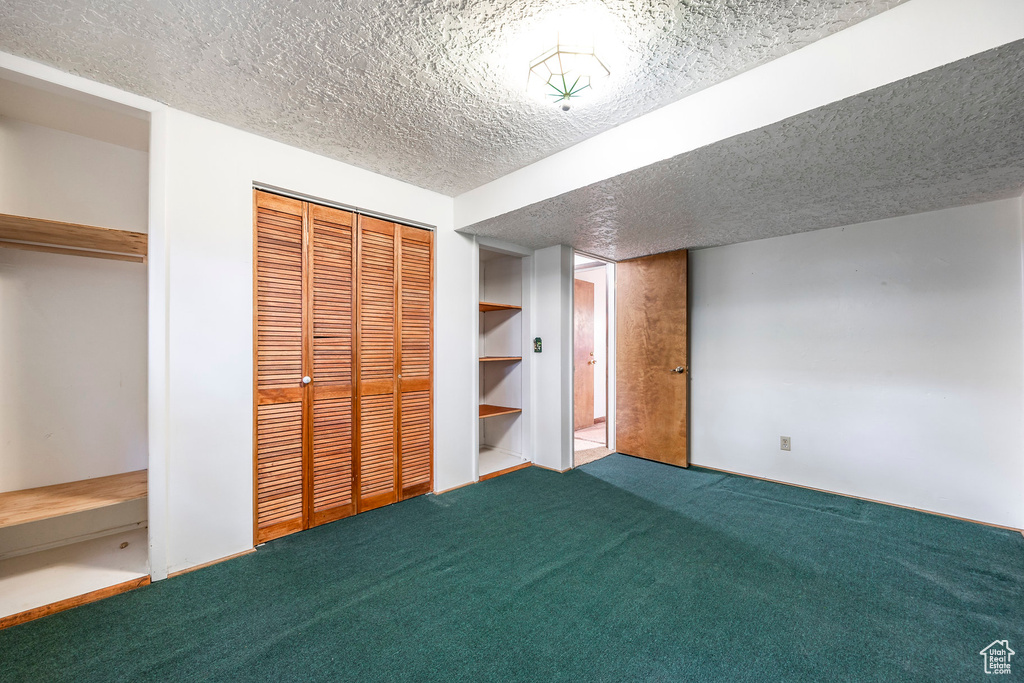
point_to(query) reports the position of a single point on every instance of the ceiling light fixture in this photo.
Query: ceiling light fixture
(565, 71)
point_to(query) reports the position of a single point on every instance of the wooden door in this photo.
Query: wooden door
(378, 355)
(332, 239)
(280, 430)
(583, 355)
(343, 376)
(652, 358)
(415, 347)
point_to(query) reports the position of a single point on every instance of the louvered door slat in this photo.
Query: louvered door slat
(415, 296)
(417, 448)
(377, 450)
(332, 296)
(278, 293)
(332, 459)
(377, 302)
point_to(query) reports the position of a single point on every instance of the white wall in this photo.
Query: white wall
(456, 398)
(891, 352)
(552, 368)
(47, 173)
(203, 200)
(72, 329)
(597, 276)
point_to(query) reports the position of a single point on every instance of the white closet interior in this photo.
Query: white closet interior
(73, 347)
(504, 348)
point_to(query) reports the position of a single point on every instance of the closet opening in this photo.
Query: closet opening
(73, 348)
(593, 374)
(503, 365)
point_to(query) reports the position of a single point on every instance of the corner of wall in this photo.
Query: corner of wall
(552, 369)
(455, 353)
(158, 345)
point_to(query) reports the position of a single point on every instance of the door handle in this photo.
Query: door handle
(679, 370)
(307, 379)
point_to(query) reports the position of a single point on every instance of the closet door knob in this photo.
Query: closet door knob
(307, 379)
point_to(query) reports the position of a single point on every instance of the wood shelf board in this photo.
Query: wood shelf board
(44, 502)
(487, 359)
(507, 470)
(39, 230)
(487, 306)
(491, 411)
(23, 246)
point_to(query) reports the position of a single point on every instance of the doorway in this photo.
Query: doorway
(594, 279)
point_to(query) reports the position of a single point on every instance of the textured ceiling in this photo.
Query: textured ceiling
(430, 92)
(948, 137)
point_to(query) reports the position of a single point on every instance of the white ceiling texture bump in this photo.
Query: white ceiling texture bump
(429, 92)
(948, 137)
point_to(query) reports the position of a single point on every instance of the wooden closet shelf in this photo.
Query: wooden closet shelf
(38, 234)
(494, 462)
(485, 306)
(32, 505)
(485, 359)
(491, 411)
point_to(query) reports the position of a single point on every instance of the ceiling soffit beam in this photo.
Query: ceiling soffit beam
(907, 40)
(49, 79)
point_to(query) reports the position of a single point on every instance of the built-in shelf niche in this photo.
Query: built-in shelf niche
(62, 541)
(501, 366)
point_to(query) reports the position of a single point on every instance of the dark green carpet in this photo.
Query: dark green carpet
(622, 570)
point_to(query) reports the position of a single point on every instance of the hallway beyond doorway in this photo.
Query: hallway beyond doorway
(589, 444)
(591, 367)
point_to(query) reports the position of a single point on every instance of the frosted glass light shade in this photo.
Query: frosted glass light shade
(564, 71)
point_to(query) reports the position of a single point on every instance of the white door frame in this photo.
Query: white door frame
(610, 347)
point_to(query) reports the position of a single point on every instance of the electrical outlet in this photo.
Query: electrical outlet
(784, 443)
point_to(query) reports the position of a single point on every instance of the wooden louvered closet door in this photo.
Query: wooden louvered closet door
(395, 274)
(280, 430)
(346, 302)
(415, 313)
(333, 242)
(377, 333)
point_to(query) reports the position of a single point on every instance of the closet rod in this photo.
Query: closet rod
(337, 205)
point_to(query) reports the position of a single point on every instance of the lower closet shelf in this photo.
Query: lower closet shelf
(44, 502)
(49, 576)
(496, 459)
